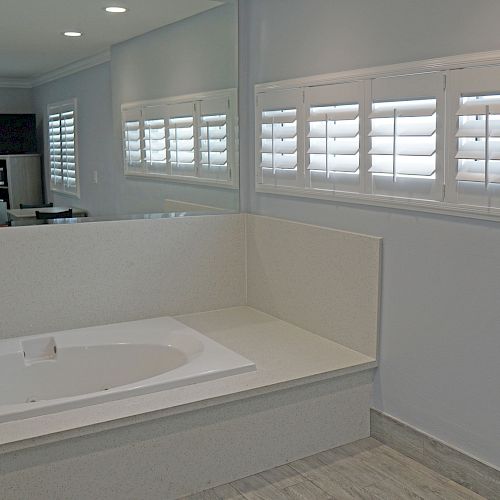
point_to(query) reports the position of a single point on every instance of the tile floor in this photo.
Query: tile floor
(366, 469)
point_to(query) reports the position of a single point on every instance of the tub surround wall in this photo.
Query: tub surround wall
(80, 275)
(70, 276)
(323, 280)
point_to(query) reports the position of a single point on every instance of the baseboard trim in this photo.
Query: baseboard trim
(438, 456)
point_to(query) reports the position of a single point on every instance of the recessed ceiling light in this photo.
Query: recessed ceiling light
(73, 34)
(116, 10)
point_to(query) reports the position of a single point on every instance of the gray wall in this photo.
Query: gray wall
(440, 339)
(92, 88)
(15, 100)
(194, 55)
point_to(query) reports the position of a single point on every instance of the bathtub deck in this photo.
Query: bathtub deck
(286, 356)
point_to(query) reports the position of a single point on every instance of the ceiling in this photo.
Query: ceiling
(31, 43)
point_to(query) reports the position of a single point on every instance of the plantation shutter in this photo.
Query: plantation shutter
(62, 147)
(333, 139)
(479, 139)
(132, 139)
(55, 150)
(214, 128)
(406, 136)
(155, 139)
(279, 155)
(181, 139)
(474, 137)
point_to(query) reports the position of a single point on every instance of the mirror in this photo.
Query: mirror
(136, 116)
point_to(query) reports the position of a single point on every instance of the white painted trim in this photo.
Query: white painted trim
(413, 205)
(424, 66)
(15, 83)
(233, 141)
(183, 180)
(444, 65)
(73, 104)
(72, 68)
(187, 98)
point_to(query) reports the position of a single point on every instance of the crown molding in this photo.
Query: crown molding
(474, 59)
(72, 68)
(15, 83)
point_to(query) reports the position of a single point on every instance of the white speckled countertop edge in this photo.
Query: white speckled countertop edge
(286, 356)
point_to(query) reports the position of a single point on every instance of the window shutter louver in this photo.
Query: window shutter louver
(181, 139)
(333, 142)
(63, 147)
(474, 137)
(406, 151)
(404, 138)
(155, 139)
(132, 138)
(278, 138)
(214, 128)
(479, 139)
(55, 150)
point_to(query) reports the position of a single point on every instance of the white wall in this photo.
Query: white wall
(15, 100)
(194, 55)
(440, 341)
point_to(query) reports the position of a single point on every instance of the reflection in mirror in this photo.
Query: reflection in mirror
(138, 115)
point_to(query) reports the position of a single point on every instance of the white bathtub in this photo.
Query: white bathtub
(46, 373)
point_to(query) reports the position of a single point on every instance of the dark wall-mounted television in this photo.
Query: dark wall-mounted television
(17, 134)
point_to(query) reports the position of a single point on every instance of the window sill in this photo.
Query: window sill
(184, 180)
(426, 206)
(65, 193)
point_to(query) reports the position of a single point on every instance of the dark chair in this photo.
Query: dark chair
(36, 205)
(67, 214)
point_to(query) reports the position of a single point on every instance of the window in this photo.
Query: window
(406, 153)
(132, 139)
(181, 139)
(279, 151)
(62, 146)
(474, 104)
(214, 138)
(333, 138)
(187, 139)
(155, 139)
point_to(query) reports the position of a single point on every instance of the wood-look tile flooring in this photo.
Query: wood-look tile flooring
(366, 469)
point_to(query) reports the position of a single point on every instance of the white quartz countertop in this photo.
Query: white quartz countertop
(285, 355)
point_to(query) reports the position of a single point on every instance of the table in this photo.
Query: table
(30, 213)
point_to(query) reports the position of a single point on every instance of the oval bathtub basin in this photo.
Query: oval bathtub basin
(46, 373)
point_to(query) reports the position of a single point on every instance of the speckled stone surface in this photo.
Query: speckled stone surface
(324, 280)
(75, 275)
(286, 356)
(170, 457)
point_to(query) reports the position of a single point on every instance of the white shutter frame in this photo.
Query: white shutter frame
(184, 151)
(472, 181)
(417, 141)
(340, 156)
(182, 139)
(155, 138)
(133, 140)
(277, 167)
(215, 139)
(62, 146)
